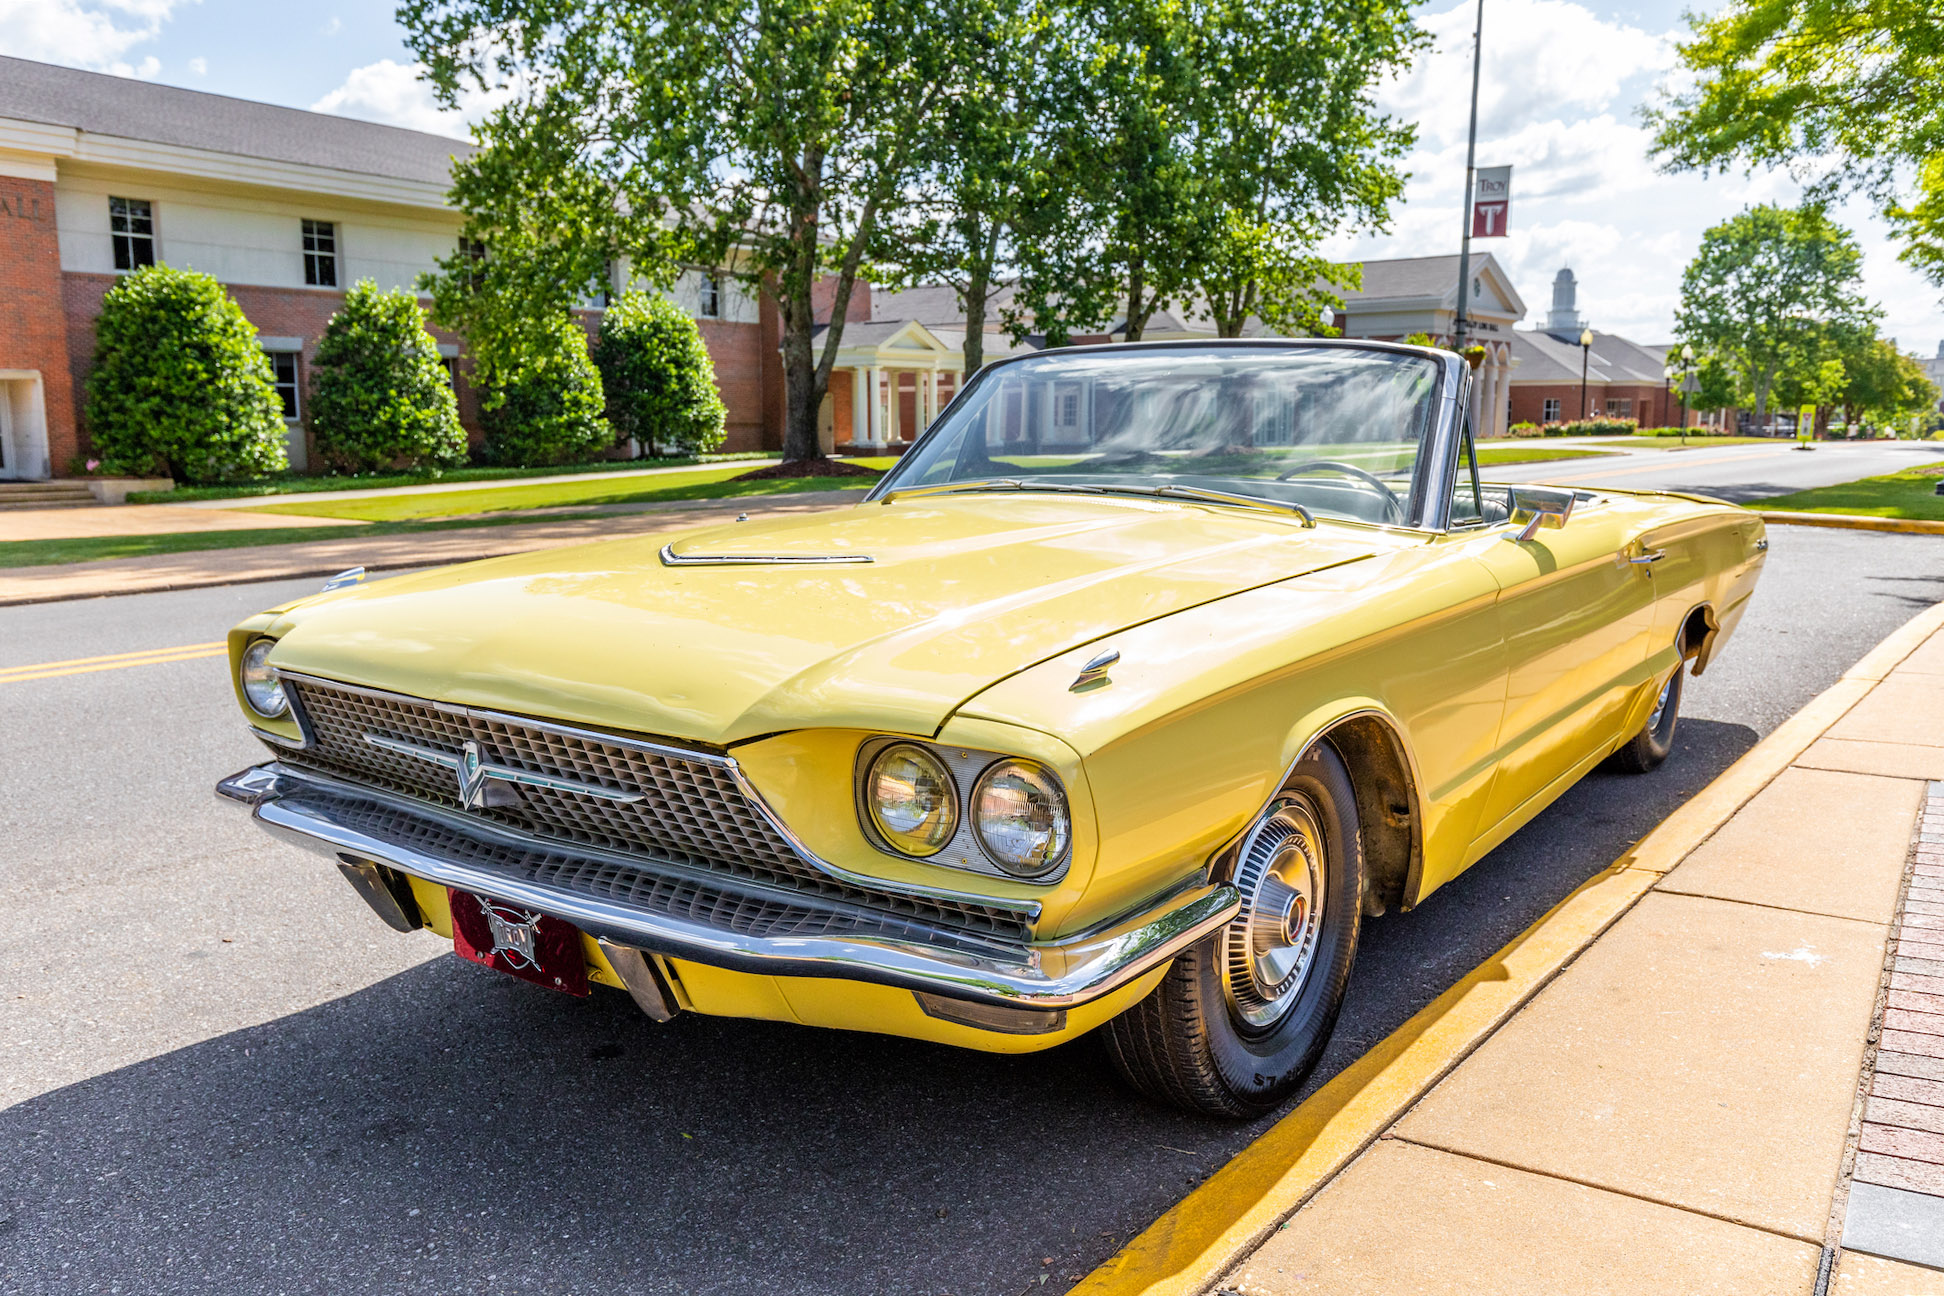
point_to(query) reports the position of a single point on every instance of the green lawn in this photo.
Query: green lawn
(703, 483)
(300, 485)
(1512, 454)
(1907, 494)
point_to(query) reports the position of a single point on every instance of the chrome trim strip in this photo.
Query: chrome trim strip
(670, 558)
(456, 762)
(1051, 974)
(281, 740)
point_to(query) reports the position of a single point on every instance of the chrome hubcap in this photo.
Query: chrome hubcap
(1660, 705)
(1268, 947)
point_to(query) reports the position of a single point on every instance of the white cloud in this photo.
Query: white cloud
(92, 34)
(1559, 101)
(394, 93)
(199, 66)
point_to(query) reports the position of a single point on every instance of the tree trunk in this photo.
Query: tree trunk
(1136, 287)
(801, 391)
(977, 288)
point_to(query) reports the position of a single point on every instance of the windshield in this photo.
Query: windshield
(1335, 430)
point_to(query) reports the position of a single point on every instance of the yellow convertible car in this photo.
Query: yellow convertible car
(1143, 678)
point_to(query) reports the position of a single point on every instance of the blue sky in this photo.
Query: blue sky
(1563, 84)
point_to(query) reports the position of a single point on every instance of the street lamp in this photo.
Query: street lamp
(1586, 354)
(1687, 385)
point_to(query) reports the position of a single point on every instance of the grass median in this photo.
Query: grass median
(1909, 494)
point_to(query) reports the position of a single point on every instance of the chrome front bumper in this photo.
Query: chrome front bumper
(352, 825)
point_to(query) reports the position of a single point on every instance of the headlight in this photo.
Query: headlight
(1020, 815)
(912, 801)
(261, 687)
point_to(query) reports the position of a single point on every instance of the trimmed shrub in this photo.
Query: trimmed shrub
(180, 386)
(659, 379)
(547, 410)
(1523, 430)
(379, 394)
(1593, 427)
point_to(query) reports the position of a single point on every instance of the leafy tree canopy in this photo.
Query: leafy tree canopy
(771, 134)
(657, 375)
(1765, 291)
(179, 384)
(379, 393)
(1840, 92)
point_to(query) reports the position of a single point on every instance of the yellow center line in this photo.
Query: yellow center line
(1660, 467)
(111, 661)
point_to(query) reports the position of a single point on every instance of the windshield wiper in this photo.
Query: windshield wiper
(986, 484)
(1216, 497)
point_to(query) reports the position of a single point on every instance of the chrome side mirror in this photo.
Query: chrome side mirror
(1542, 506)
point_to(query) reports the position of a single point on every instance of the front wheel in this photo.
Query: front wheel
(1243, 1016)
(1648, 748)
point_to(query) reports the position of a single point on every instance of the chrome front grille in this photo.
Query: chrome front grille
(691, 809)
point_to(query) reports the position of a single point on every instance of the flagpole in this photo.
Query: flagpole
(1461, 326)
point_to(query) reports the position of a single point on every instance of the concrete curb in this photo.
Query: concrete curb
(1191, 1246)
(1852, 521)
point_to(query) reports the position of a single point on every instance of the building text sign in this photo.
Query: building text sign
(1491, 201)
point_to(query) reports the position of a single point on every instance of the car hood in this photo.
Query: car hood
(959, 593)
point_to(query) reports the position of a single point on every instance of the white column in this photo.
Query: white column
(874, 411)
(859, 429)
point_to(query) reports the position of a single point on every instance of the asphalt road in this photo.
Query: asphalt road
(223, 1075)
(1738, 473)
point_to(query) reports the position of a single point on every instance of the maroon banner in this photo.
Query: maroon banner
(1491, 201)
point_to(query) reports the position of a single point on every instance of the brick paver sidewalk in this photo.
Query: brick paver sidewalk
(1739, 1087)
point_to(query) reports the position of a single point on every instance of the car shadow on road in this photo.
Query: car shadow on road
(449, 1129)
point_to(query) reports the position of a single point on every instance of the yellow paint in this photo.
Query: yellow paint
(110, 661)
(1196, 1241)
(1505, 668)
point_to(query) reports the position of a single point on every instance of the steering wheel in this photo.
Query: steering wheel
(1392, 508)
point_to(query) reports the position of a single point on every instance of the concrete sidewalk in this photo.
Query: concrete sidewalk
(431, 548)
(1737, 1087)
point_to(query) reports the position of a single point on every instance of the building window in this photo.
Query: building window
(474, 251)
(1549, 412)
(320, 254)
(1620, 407)
(131, 222)
(708, 296)
(283, 375)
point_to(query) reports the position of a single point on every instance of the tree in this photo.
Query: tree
(379, 394)
(544, 407)
(1885, 384)
(657, 376)
(179, 384)
(767, 134)
(1841, 93)
(1764, 287)
(986, 173)
(1289, 147)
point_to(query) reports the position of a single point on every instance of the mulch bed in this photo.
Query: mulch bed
(819, 467)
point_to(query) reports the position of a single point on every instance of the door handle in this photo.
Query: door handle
(1645, 557)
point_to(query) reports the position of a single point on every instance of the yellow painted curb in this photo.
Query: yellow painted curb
(1190, 1246)
(1852, 521)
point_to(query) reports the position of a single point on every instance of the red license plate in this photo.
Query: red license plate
(518, 941)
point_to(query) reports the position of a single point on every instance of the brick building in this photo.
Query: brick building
(1623, 379)
(100, 175)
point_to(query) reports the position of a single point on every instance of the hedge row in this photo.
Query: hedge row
(181, 388)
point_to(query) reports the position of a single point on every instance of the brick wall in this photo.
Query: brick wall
(32, 334)
(1652, 404)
